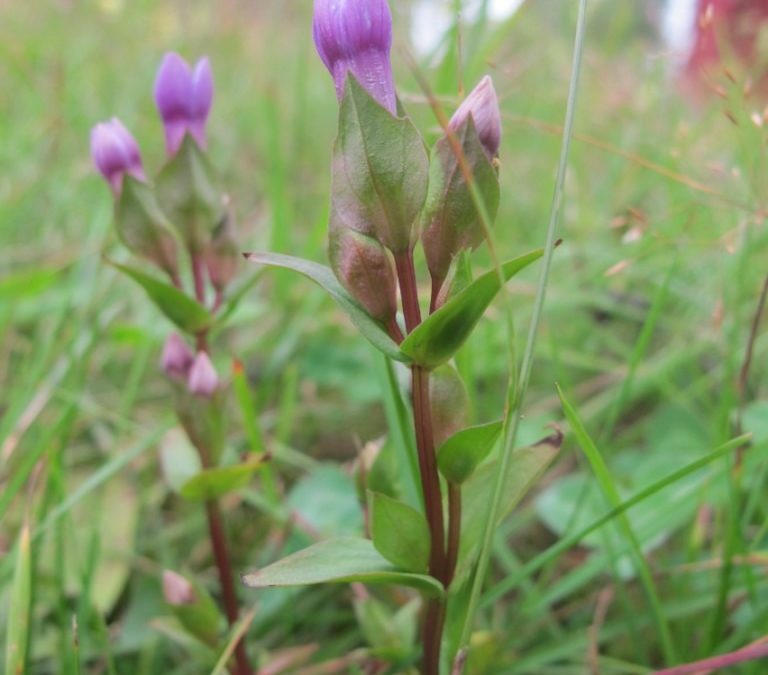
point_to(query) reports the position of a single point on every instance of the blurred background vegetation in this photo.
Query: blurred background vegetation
(646, 327)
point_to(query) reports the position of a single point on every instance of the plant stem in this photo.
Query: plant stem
(221, 556)
(216, 531)
(454, 529)
(434, 617)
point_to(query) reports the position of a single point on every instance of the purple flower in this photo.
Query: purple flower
(183, 97)
(177, 590)
(177, 358)
(115, 153)
(483, 106)
(356, 36)
(202, 380)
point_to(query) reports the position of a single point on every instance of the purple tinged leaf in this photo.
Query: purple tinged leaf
(184, 97)
(202, 380)
(177, 590)
(177, 358)
(115, 153)
(483, 106)
(356, 36)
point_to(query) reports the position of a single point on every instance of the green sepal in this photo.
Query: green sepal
(400, 533)
(441, 334)
(203, 421)
(380, 171)
(200, 618)
(221, 480)
(450, 222)
(341, 560)
(460, 455)
(374, 331)
(143, 227)
(186, 187)
(188, 314)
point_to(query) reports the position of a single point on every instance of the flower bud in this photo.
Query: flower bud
(448, 399)
(115, 152)
(355, 36)
(183, 98)
(483, 106)
(177, 590)
(202, 379)
(177, 358)
(363, 267)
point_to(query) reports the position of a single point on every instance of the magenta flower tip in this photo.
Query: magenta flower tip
(177, 358)
(483, 106)
(184, 97)
(115, 152)
(355, 36)
(202, 380)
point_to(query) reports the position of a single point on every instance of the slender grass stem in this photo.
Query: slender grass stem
(517, 389)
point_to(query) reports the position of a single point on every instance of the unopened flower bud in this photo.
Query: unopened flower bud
(177, 358)
(202, 380)
(448, 399)
(355, 36)
(363, 267)
(483, 106)
(115, 153)
(177, 590)
(183, 96)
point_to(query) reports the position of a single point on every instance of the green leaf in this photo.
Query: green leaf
(441, 334)
(462, 453)
(188, 314)
(201, 617)
(380, 171)
(213, 483)
(400, 533)
(526, 466)
(19, 609)
(372, 330)
(342, 560)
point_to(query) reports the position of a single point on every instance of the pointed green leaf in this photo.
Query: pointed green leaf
(526, 466)
(342, 560)
(188, 314)
(19, 609)
(438, 338)
(213, 483)
(371, 329)
(462, 453)
(400, 533)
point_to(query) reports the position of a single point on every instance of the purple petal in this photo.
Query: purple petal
(177, 358)
(483, 106)
(203, 380)
(174, 91)
(115, 152)
(177, 590)
(356, 35)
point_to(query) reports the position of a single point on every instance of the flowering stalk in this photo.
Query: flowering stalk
(193, 213)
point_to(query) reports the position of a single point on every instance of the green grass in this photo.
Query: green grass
(645, 328)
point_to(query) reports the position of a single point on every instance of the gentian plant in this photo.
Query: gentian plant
(180, 223)
(390, 195)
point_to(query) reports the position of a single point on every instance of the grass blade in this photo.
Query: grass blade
(19, 610)
(608, 488)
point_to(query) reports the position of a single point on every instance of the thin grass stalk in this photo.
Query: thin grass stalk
(516, 393)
